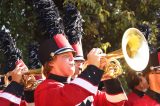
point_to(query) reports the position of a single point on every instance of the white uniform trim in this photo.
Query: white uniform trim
(116, 98)
(10, 97)
(85, 84)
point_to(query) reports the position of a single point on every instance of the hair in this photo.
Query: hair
(133, 79)
(47, 67)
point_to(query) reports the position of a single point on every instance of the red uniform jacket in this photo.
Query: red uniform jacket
(133, 96)
(104, 99)
(52, 92)
(112, 95)
(11, 96)
(150, 99)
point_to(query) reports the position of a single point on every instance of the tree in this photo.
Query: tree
(104, 26)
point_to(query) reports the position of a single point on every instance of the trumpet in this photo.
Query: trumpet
(28, 79)
(33, 72)
(134, 45)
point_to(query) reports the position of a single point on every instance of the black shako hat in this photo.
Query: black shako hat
(73, 29)
(50, 48)
(10, 50)
(51, 23)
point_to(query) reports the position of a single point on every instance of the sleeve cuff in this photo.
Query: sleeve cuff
(92, 74)
(89, 79)
(116, 97)
(113, 86)
(13, 92)
(114, 91)
(15, 89)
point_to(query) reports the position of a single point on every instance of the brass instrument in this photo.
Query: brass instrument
(33, 72)
(112, 69)
(28, 79)
(135, 50)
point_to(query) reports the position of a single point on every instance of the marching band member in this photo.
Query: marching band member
(138, 84)
(14, 92)
(56, 56)
(11, 95)
(35, 66)
(73, 29)
(152, 96)
(113, 94)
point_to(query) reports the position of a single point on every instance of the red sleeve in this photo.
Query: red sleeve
(146, 101)
(52, 93)
(12, 94)
(24, 103)
(140, 102)
(5, 102)
(104, 99)
(60, 95)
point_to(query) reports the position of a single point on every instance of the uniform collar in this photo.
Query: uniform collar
(139, 93)
(58, 78)
(153, 95)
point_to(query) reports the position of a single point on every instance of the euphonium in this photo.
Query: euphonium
(112, 68)
(135, 50)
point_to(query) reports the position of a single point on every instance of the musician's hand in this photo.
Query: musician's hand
(106, 77)
(16, 74)
(22, 65)
(103, 63)
(94, 57)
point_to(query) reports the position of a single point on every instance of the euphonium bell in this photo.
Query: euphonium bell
(135, 50)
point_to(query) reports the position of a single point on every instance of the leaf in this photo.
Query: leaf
(105, 46)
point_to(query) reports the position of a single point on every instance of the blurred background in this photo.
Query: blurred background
(105, 23)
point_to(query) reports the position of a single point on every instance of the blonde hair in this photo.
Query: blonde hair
(47, 67)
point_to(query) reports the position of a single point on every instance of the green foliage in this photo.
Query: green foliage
(104, 46)
(105, 21)
(18, 18)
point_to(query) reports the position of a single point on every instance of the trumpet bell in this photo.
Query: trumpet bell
(135, 49)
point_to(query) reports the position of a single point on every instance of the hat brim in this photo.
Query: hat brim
(63, 50)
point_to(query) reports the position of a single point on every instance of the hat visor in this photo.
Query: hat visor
(63, 50)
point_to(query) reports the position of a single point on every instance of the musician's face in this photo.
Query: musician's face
(78, 65)
(64, 64)
(143, 83)
(154, 78)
